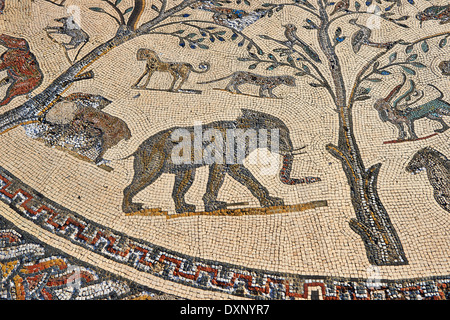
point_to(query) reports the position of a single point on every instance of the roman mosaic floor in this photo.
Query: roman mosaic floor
(224, 149)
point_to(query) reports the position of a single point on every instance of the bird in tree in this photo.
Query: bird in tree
(441, 13)
(340, 6)
(233, 18)
(293, 39)
(362, 37)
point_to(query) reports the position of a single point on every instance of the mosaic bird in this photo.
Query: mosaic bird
(293, 39)
(441, 13)
(340, 6)
(362, 37)
(232, 18)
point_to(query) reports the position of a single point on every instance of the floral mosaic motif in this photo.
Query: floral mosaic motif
(33, 271)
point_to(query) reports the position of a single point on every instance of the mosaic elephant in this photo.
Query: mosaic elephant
(155, 156)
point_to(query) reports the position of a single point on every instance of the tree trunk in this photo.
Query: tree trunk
(372, 221)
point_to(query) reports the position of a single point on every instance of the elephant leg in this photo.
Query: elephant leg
(245, 177)
(147, 168)
(215, 181)
(183, 181)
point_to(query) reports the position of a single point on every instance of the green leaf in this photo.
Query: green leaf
(252, 66)
(117, 2)
(271, 57)
(418, 65)
(220, 33)
(442, 43)
(291, 61)
(315, 85)
(374, 80)
(363, 91)
(271, 67)
(96, 9)
(306, 68)
(203, 46)
(362, 98)
(408, 70)
(412, 57)
(393, 57)
(191, 35)
(300, 74)
(154, 8)
(357, 6)
(425, 47)
(128, 10)
(178, 32)
(409, 48)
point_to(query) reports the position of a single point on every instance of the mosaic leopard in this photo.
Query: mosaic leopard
(438, 171)
(265, 83)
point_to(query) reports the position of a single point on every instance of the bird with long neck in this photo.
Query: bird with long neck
(362, 37)
(293, 39)
(233, 18)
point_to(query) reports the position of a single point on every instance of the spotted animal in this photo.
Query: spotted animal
(178, 70)
(438, 171)
(265, 83)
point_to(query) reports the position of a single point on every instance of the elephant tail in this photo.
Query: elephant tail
(127, 157)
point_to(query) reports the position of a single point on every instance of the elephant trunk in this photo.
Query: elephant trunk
(285, 173)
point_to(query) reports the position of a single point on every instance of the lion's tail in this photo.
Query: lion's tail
(215, 80)
(204, 67)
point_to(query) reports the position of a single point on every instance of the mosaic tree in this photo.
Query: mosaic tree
(372, 221)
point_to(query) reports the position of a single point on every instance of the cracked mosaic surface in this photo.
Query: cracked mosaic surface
(121, 175)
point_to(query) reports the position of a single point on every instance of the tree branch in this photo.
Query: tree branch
(359, 78)
(122, 19)
(349, 13)
(297, 6)
(322, 80)
(147, 26)
(56, 4)
(188, 23)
